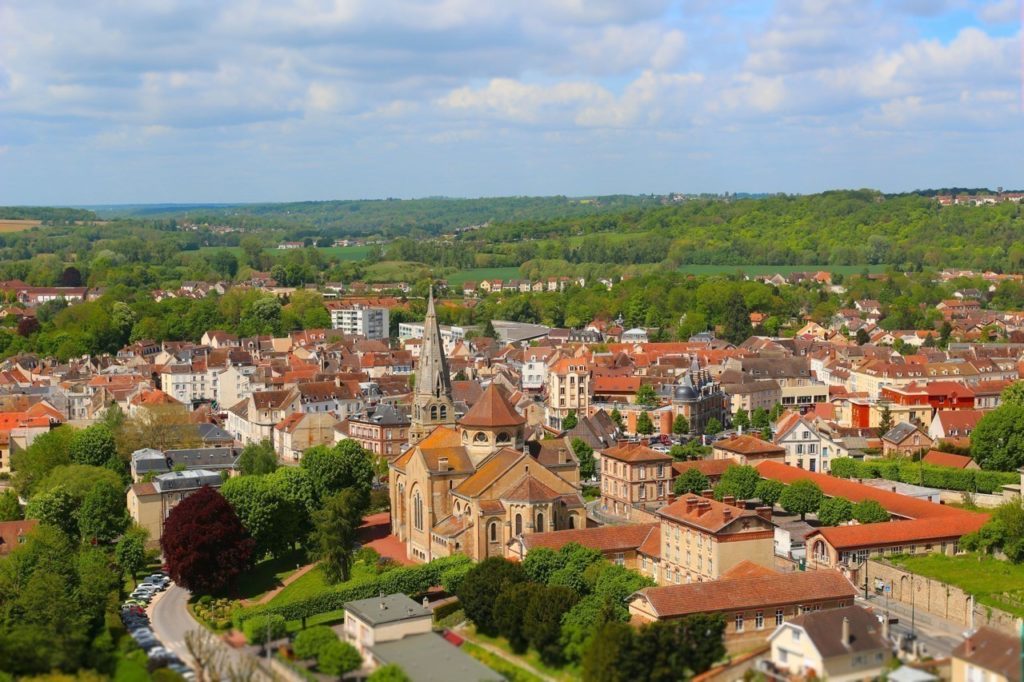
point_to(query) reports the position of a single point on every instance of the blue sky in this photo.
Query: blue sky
(135, 101)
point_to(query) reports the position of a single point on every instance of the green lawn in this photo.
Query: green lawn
(531, 657)
(991, 581)
(313, 583)
(499, 665)
(457, 279)
(269, 574)
(755, 270)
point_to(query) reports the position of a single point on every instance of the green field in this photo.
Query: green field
(339, 252)
(755, 270)
(991, 581)
(457, 279)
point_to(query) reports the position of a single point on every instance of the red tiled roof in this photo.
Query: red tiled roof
(749, 445)
(491, 410)
(747, 593)
(947, 459)
(900, 505)
(747, 569)
(710, 515)
(613, 384)
(603, 538)
(900, 532)
(709, 467)
(635, 452)
(10, 531)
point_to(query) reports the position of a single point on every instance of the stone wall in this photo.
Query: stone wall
(981, 499)
(934, 597)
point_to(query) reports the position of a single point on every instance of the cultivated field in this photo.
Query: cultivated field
(18, 225)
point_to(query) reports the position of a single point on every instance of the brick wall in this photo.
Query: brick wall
(935, 597)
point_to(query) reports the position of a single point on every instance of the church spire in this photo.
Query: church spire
(432, 376)
(432, 396)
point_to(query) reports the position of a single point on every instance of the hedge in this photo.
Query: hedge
(445, 610)
(944, 478)
(409, 580)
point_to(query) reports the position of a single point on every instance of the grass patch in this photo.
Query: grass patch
(457, 279)
(396, 271)
(992, 582)
(326, 618)
(531, 657)
(340, 252)
(312, 583)
(499, 665)
(269, 574)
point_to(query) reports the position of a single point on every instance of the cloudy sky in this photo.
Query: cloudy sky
(132, 101)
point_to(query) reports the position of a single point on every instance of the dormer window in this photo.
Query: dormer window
(480, 437)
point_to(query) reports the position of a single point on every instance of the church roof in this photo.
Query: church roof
(442, 442)
(491, 410)
(529, 489)
(489, 471)
(432, 375)
(450, 526)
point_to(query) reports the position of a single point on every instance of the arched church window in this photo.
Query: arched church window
(444, 412)
(433, 411)
(417, 510)
(492, 530)
(519, 524)
(540, 523)
(480, 437)
(503, 437)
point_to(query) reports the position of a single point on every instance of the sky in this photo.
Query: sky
(153, 101)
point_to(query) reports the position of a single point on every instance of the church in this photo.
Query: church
(471, 484)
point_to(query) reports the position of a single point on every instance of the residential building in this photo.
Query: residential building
(384, 619)
(152, 462)
(987, 655)
(383, 430)
(619, 544)
(15, 533)
(253, 419)
(844, 645)
(356, 319)
(703, 539)
(905, 440)
(752, 606)
(300, 431)
(959, 424)
(747, 449)
(699, 397)
(568, 390)
(150, 503)
(797, 385)
(429, 657)
(634, 475)
(949, 459)
(804, 446)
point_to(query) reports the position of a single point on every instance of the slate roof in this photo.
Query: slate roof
(387, 609)
(428, 657)
(824, 628)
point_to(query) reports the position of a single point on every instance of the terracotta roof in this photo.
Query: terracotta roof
(801, 587)
(614, 384)
(992, 650)
(900, 532)
(10, 531)
(144, 489)
(491, 410)
(451, 526)
(749, 445)
(900, 505)
(747, 569)
(488, 471)
(442, 443)
(709, 467)
(961, 421)
(270, 400)
(603, 538)
(946, 459)
(492, 506)
(635, 452)
(651, 546)
(290, 422)
(154, 397)
(529, 489)
(710, 515)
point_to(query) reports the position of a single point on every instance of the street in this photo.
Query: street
(171, 621)
(938, 637)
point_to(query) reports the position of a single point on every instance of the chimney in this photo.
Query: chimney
(442, 463)
(846, 631)
(729, 500)
(703, 507)
(727, 513)
(765, 513)
(893, 488)
(691, 502)
(561, 456)
(708, 494)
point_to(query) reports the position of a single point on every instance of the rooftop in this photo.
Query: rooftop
(387, 609)
(428, 657)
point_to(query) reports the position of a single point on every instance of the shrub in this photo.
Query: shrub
(945, 478)
(310, 642)
(338, 658)
(446, 609)
(257, 629)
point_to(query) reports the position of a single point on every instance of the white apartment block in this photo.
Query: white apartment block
(360, 320)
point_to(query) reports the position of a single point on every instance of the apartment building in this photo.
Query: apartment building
(568, 390)
(356, 319)
(633, 474)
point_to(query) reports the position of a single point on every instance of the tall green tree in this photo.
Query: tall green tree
(335, 531)
(10, 508)
(94, 446)
(801, 497)
(130, 552)
(690, 481)
(768, 491)
(56, 508)
(759, 418)
(737, 327)
(616, 417)
(103, 515)
(680, 425)
(477, 590)
(739, 481)
(741, 419)
(834, 511)
(647, 396)
(644, 425)
(713, 427)
(585, 455)
(870, 511)
(885, 422)
(265, 511)
(258, 458)
(569, 421)
(997, 442)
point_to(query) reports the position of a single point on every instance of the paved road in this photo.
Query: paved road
(171, 621)
(938, 637)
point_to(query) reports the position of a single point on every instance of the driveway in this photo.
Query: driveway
(171, 621)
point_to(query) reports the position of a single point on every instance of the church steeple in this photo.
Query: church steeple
(432, 395)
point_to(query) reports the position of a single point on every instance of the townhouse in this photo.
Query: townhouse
(633, 475)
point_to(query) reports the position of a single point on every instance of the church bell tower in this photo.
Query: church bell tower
(432, 404)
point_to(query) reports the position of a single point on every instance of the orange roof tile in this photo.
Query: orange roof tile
(747, 569)
(710, 515)
(748, 445)
(635, 452)
(900, 532)
(946, 459)
(747, 593)
(491, 410)
(603, 538)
